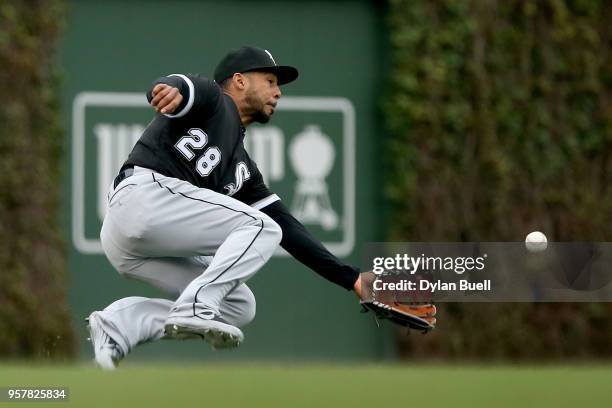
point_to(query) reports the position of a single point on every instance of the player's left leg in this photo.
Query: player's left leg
(135, 320)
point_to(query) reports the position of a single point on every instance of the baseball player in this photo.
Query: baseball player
(189, 213)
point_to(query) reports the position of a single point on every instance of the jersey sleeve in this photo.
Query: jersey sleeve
(308, 250)
(200, 95)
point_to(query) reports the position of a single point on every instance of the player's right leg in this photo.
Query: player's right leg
(135, 320)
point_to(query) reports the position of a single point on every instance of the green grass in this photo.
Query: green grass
(244, 385)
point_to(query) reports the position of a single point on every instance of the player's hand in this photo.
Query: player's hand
(165, 98)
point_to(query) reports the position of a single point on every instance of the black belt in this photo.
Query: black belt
(123, 174)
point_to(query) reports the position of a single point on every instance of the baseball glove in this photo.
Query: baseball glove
(420, 317)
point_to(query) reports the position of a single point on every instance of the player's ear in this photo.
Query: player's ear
(240, 81)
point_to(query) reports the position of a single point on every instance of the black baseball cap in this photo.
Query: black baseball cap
(247, 59)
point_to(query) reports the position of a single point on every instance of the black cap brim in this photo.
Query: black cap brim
(284, 73)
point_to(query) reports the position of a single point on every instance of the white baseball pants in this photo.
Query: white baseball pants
(194, 243)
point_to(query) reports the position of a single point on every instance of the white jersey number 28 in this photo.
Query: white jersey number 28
(197, 140)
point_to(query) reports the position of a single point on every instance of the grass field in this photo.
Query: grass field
(240, 385)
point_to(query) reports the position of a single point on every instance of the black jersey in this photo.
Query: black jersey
(202, 142)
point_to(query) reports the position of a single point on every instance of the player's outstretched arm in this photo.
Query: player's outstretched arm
(304, 247)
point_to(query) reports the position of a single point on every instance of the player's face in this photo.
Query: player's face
(262, 95)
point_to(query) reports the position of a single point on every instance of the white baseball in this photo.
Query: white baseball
(536, 242)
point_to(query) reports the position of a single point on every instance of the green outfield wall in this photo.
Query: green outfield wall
(110, 53)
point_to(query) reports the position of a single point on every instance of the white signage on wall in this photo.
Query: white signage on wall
(310, 152)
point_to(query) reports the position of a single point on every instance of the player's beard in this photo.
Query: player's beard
(258, 106)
